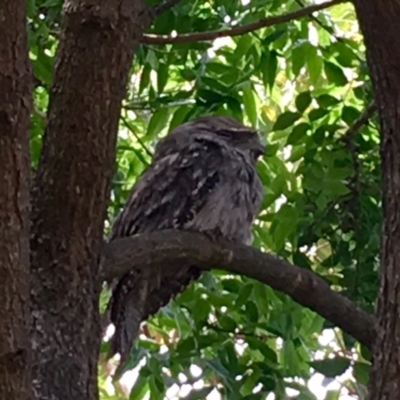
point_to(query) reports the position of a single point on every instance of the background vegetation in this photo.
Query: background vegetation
(305, 85)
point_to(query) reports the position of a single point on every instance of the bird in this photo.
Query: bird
(202, 178)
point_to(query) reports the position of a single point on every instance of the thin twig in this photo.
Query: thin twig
(321, 24)
(360, 121)
(128, 125)
(240, 30)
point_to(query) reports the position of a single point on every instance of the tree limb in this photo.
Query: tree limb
(303, 286)
(240, 30)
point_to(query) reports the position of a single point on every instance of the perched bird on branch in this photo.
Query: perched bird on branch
(202, 178)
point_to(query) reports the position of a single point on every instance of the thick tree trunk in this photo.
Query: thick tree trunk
(379, 21)
(71, 191)
(15, 103)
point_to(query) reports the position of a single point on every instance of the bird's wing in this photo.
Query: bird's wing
(172, 190)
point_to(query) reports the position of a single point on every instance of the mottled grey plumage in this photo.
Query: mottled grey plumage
(202, 178)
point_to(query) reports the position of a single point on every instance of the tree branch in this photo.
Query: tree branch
(360, 121)
(240, 30)
(177, 247)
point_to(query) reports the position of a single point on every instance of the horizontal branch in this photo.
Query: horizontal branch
(178, 247)
(240, 30)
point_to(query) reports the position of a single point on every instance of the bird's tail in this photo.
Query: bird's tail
(127, 307)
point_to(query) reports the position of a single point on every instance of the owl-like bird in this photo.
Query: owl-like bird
(202, 178)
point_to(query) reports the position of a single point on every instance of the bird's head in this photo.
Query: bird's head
(224, 129)
(236, 134)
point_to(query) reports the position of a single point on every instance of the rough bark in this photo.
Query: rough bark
(15, 103)
(379, 21)
(71, 191)
(178, 247)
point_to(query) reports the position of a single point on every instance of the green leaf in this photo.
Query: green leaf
(361, 372)
(268, 66)
(186, 347)
(188, 74)
(283, 225)
(251, 311)
(334, 74)
(271, 150)
(157, 388)
(319, 135)
(314, 64)
(31, 8)
(162, 76)
(299, 133)
(336, 187)
(279, 184)
(298, 58)
(317, 114)
(249, 382)
(202, 309)
(331, 367)
(243, 46)
(303, 100)
(346, 56)
(244, 295)
(157, 122)
(144, 78)
(231, 285)
(285, 120)
(140, 388)
(179, 117)
(263, 348)
(327, 101)
(43, 68)
(297, 153)
(365, 353)
(227, 323)
(291, 358)
(152, 59)
(249, 103)
(350, 114)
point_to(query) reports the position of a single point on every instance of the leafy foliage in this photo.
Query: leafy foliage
(302, 84)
